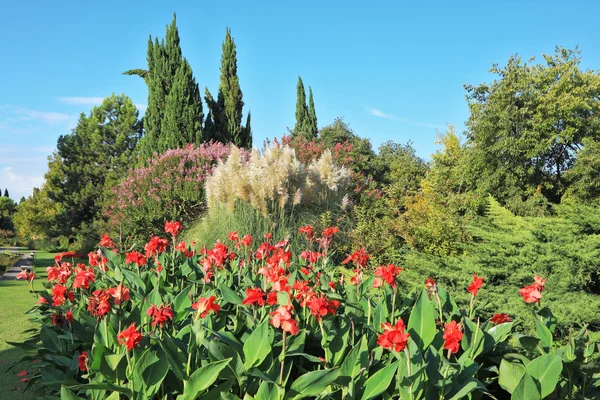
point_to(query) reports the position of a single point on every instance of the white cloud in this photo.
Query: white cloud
(86, 101)
(50, 118)
(380, 114)
(12, 114)
(19, 185)
(141, 107)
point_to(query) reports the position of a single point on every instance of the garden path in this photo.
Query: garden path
(13, 271)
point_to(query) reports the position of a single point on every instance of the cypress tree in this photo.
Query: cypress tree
(302, 117)
(227, 109)
(312, 115)
(182, 123)
(5, 192)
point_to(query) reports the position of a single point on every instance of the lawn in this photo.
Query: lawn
(15, 300)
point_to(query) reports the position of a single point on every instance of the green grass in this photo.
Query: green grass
(15, 301)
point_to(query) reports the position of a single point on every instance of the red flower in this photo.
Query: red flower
(254, 296)
(393, 336)
(246, 241)
(475, 285)
(233, 236)
(452, 336)
(205, 305)
(119, 293)
(82, 360)
(283, 319)
(321, 306)
(160, 315)
(22, 373)
(25, 380)
(268, 237)
(135, 257)
(41, 301)
(130, 337)
(310, 256)
(308, 231)
(388, 273)
(84, 278)
(531, 294)
(58, 295)
(272, 298)
(500, 318)
(329, 232)
(173, 228)
(93, 258)
(155, 245)
(357, 278)
(360, 258)
(430, 285)
(539, 282)
(26, 275)
(105, 241)
(377, 283)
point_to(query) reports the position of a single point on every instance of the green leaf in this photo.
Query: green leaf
(510, 375)
(258, 345)
(312, 383)
(379, 381)
(544, 335)
(202, 378)
(473, 339)
(113, 360)
(181, 302)
(150, 369)
(421, 324)
(466, 388)
(175, 357)
(500, 332)
(546, 369)
(50, 339)
(351, 364)
(267, 391)
(66, 394)
(229, 295)
(527, 389)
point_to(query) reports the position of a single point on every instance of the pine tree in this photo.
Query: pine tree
(182, 123)
(5, 192)
(312, 115)
(227, 109)
(301, 110)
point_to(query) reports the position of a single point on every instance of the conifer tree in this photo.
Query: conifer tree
(301, 110)
(227, 108)
(312, 115)
(5, 192)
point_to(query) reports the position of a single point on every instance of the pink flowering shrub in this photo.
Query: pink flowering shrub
(169, 187)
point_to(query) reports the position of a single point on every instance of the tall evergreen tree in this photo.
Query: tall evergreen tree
(171, 119)
(312, 114)
(301, 110)
(183, 117)
(5, 192)
(227, 108)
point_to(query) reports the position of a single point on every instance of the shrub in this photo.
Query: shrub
(170, 186)
(243, 319)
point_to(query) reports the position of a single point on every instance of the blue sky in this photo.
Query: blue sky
(393, 69)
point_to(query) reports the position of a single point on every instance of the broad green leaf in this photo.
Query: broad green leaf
(202, 378)
(466, 388)
(421, 324)
(66, 394)
(379, 381)
(151, 369)
(175, 357)
(50, 339)
(103, 386)
(113, 360)
(527, 389)
(296, 342)
(510, 375)
(546, 369)
(312, 383)
(267, 391)
(544, 335)
(229, 295)
(182, 302)
(473, 339)
(500, 332)
(351, 364)
(258, 345)
(339, 343)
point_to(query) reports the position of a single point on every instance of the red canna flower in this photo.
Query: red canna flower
(539, 282)
(329, 232)
(268, 237)
(475, 285)
(173, 228)
(83, 279)
(357, 278)
(310, 256)
(388, 273)
(105, 241)
(93, 258)
(321, 306)
(254, 296)
(500, 318)
(60, 295)
(98, 304)
(452, 336)
(155, 246)
(307, 231)
(41, 301)
(119, 293)
(430, 285)
(393, 336)
(233, 236)
(272, 298)
(205, 305)
(160, 315)
(377, 283)
(284, 320)
(360, 258)
(531, 294)
(246, 241)
(135, 257)
(82, 360)
(130, 337)
(26, 275)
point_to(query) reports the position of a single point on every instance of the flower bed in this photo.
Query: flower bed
(257, 321)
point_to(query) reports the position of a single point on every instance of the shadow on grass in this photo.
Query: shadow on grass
(12, 385)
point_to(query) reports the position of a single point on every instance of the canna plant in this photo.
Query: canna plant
(243, 320)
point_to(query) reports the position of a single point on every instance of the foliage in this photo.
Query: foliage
(224, 123)
(7, 211)
(525, 128)
(170, 186)
(90, 160)
(259, 321)
(36, 216)
(582, 178)
(174, 115)
(306, 117)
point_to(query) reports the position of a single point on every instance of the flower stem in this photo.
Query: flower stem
(282, 359)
